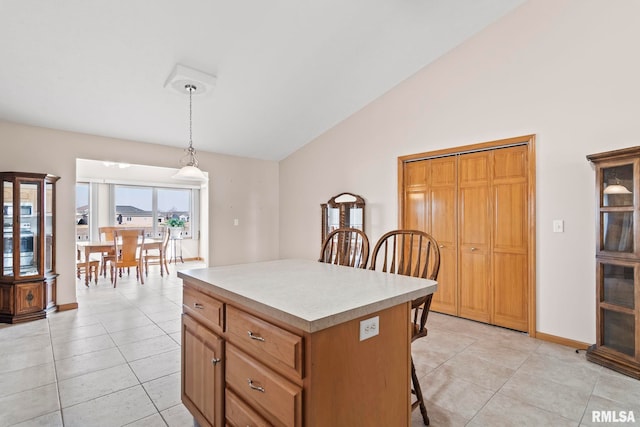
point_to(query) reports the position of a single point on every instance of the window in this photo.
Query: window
(82, 211)
(175, 203)
(134, 207)
(151, 207)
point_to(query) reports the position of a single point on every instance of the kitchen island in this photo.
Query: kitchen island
(297, 343)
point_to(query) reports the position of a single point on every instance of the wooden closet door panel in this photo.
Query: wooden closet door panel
(474, 205)
(510, 238)
(443, 227)
(510, 163)
(474, 269)
(416, 209)
(415, 195)
(510, 296)
(510, 217)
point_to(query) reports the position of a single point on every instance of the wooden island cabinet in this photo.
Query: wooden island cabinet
(297, 343)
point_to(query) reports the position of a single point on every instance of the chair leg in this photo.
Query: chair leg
(166, 267)
(114, 277)
(418, 392)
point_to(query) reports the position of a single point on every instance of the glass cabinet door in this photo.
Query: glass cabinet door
(616, 289)
(617, 209)
(29, 229)
(617, 185)
(7, 228)
(49, 203)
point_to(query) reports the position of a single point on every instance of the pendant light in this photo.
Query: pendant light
(189, 163)
(616, 188)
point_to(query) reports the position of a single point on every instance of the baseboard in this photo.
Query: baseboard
(70, 306)
(563, 341)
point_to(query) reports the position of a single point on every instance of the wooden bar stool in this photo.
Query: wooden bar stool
(410, 253)
(346, 246)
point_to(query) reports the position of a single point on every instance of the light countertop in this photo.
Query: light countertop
(309, 295)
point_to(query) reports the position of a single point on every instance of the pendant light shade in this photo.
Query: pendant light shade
(190, 173)
(189, 163)
(616, 188)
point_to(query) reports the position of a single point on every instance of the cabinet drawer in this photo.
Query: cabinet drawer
(203, 307)
(266, 342)
(239, 414)
(270, 394)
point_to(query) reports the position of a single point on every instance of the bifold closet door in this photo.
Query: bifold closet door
(430, 205)
(510, 237)
(474, 230)
(443, 227)
(476, 206)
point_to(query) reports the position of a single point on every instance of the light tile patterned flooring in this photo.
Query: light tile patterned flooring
(116, 361)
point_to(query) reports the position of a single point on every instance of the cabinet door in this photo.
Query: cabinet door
(29, 298)
(474, 236)
(202, 372)
(617, 308)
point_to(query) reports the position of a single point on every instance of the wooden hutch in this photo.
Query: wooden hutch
(617, 261)
(27, 267)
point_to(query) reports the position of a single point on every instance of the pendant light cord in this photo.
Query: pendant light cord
(190, 88)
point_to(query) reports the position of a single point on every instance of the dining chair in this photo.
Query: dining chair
(158, 256)
(128, 246)
(410, 253)
(106, 234)
(346, 246)
(81, 267)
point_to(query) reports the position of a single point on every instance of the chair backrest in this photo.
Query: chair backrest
(346, 246)
(106, 233)
(127, 244)
(165, 239)
(410, 253)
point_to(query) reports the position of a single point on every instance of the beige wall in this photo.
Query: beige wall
(241, 188)
(564, 70)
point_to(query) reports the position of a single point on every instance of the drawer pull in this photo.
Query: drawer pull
(215, 361)
(474, 249)
(198, 306)
(255, 387)
(255, 337)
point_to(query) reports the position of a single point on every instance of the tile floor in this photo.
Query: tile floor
(116, 362)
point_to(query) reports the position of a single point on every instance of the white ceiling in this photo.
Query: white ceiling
(287, 70)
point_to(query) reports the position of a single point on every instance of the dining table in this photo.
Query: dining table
(92, 247)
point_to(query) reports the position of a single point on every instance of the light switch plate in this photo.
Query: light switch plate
(369, 328)
(558, 226)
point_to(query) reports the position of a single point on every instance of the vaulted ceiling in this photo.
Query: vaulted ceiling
(287, 70)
